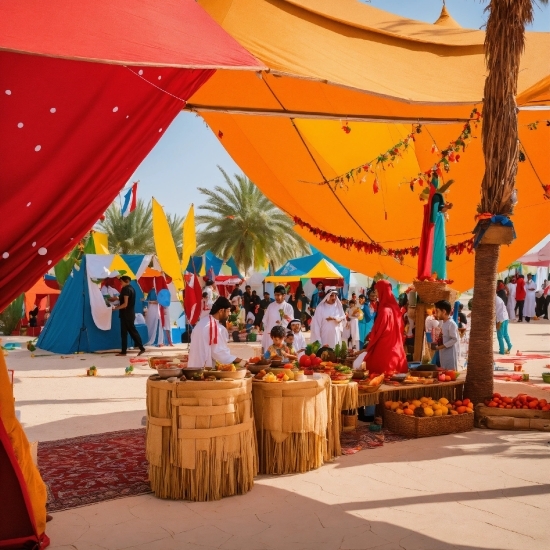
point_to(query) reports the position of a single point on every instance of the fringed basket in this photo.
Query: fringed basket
(413, 426)
(200, 439)
(291, 422)
(433, 291)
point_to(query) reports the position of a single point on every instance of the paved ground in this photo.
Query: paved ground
(484, 489)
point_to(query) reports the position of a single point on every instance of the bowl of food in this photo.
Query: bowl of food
(255, 368)
(192, 373)
(276, 362)
(399, 377)
(169, 372)
(424, 373)
(232, 375)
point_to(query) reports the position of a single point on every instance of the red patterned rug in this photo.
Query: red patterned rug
(362, 438)
(93, 468)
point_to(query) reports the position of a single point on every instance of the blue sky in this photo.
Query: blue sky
(187, 155)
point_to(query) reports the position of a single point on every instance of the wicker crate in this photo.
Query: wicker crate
(433, 291)
(413, 426)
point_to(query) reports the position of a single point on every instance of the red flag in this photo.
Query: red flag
(193, 298)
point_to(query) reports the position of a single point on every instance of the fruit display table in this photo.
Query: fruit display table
(200, 438)
(344, 397)
(450, 390)
(291, 419)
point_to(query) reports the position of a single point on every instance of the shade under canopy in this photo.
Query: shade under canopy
(338, 65)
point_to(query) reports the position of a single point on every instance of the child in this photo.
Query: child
(432, 326)
(354, 314)
(299, 340)
(449, 343)
(278, 349)
(289, 343)
(502, 326)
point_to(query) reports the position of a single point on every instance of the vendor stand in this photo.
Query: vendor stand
(200, 438)
(291, 424)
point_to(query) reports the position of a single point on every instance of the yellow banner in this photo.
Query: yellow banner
(165, 247)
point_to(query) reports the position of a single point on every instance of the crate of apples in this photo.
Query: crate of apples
(521, 401)
(427, 407)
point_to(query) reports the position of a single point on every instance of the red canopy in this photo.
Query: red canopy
(73, 130)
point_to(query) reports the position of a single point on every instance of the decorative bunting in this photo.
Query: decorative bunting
(535, 125)
(399, 254)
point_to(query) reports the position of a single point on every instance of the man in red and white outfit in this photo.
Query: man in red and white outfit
(209, 338)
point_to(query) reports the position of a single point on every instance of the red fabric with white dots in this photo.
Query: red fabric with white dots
(72, 135)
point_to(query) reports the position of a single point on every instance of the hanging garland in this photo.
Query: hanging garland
(447, 156)
(535, 125)
(375, 248)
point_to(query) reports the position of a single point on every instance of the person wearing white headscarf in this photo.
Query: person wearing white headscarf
(299, 341)
(511, 303)
(327, 323)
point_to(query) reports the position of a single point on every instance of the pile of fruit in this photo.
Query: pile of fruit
(310, 361)
(226, 368)
(271, 377)
(426, 407)
(521, 401)
(340, 373)
(373, 380)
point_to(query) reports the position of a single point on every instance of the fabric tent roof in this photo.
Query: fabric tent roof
(146, 33)
(299, 268)
(86, 91)
(338, 61)
(539, 259)
(323, 270)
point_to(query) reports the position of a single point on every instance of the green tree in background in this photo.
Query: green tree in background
(132, 234)
(10, 317)
(240, 221)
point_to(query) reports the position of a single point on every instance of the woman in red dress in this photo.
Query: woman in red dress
(385, 352)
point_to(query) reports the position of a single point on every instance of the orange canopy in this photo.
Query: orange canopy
(35, 294)
(335, 63)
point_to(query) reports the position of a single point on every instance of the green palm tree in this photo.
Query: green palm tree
(130, 235)
(504, 44)
(243, 223)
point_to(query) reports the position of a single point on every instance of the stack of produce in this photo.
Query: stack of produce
(521, 401)
(427, 407)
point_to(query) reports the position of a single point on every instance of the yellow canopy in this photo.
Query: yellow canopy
(323, 270)
(339, 63)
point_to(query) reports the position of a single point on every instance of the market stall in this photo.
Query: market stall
(343, 409)
(200, 438)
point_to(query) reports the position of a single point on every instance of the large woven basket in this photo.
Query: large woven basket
(413, 426)
(433, 291)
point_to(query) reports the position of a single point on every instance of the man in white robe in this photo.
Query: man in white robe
(530, 298)
(511, 304)
(278, 312)
(327, 323)
(209, 338)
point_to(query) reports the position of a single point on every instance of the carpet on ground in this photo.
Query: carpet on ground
(93, 468)
(361, 438)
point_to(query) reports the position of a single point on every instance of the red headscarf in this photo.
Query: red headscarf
(385, 352)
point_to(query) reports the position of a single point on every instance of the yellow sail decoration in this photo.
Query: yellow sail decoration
(165, 247)
(189, 238)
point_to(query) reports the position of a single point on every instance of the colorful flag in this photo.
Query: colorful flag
(167, 253)
(189, 238)
(130, 200)
(192, 298)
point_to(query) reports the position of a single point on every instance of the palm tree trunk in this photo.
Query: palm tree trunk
(504, 44)
(479, 379)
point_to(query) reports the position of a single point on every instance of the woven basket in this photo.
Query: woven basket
(498, 234)
(433, 291)
(413, 426)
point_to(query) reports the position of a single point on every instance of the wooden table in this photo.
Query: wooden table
(200, 438)
(291, 419)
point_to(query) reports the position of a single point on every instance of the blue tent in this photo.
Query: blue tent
(71, 327)
(211, 262)
(300, 266)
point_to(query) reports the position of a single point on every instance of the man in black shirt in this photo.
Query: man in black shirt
(127, 316)
(247, 299)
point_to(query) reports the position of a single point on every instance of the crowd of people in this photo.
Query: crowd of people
(375, 326)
